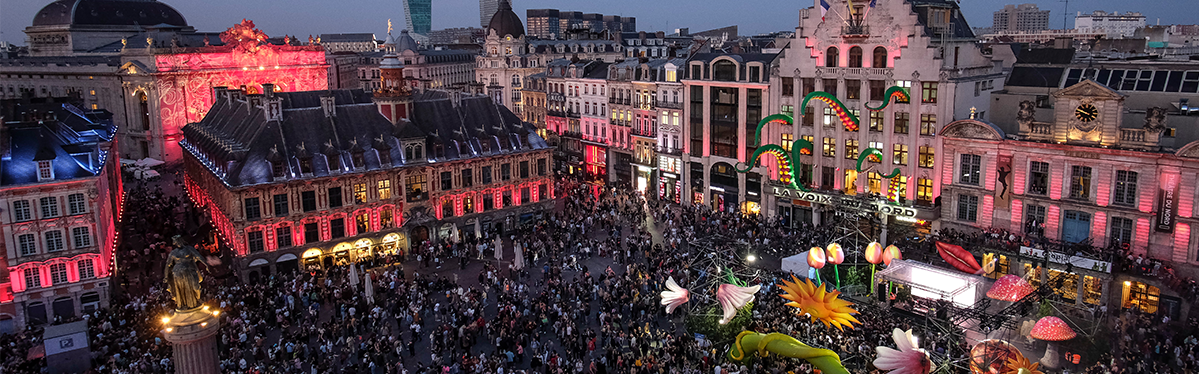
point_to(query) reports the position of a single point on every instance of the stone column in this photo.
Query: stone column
(192, 335)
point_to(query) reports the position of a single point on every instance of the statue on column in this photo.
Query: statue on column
(182, 275)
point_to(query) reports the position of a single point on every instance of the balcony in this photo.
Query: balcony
(855, 31)
(669, 105)
(669, 151)
(1041, 129)
(619, 122)
(1140, 139)
(651, 133)
(871, 73)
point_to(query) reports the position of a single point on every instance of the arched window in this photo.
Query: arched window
(880, 58)
(143, 110)
(724, 71)
(830, 57)
(855, 57)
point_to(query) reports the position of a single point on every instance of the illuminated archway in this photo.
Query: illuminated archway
(314, 252)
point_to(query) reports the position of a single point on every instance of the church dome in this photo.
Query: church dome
(108, 13)
(505, 22)
(405, 42)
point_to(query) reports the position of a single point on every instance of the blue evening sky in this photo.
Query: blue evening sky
(304, 17)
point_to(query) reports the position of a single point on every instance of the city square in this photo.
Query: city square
(883, 187)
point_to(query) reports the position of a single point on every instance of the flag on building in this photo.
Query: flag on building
(824, 7)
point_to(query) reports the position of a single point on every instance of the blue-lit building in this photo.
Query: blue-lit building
(60, 194)
(418, 16)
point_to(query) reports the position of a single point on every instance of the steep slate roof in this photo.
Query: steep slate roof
(108, 13)
(69, 138)
(234, 131)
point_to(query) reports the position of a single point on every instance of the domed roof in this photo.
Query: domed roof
(505, 22)
(108, 13)
(405, 42)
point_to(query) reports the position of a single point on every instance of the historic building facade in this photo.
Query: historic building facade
(942, 68)
(62, 199)
(440, 166)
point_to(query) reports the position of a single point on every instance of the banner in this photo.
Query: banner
(1167, 203)
(1003, 185)
(1062, 258)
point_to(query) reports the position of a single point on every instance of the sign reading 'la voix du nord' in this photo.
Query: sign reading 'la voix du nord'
(845, 202)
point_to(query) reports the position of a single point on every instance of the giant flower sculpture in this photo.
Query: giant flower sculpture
(733, 298)
(674, 296)
(819, 305)
(909, 359)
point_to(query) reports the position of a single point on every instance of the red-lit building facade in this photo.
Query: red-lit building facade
(60, 189)
(167, 87)
(1085, 173)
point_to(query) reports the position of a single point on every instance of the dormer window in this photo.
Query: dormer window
(306, 165)
(384, 157)
(45, 170)
(277, 169)
(359, 160)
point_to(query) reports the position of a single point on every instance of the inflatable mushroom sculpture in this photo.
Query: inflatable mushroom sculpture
(1052, 330)
(1009, 288)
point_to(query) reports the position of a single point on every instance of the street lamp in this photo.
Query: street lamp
(751, 258)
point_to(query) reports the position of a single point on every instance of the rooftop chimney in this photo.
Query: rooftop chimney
(328, 105)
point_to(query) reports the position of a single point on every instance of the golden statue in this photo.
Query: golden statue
(389, 26)
(182, 275)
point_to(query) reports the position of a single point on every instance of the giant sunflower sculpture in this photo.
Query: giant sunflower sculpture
(818, 304)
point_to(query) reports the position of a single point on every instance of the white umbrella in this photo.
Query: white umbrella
(148, 162)
(499, 248)
(354, 276)
(150, 174)
(454, 234)
(519, 251)
(370, 289)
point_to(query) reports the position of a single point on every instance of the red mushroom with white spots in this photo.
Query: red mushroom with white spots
(1052, 330)
(1010, 288)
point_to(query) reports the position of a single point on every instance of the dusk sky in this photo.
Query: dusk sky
(304, 17)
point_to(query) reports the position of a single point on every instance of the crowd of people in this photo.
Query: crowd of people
(574, 292)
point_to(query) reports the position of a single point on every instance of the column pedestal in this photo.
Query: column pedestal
(192, 334)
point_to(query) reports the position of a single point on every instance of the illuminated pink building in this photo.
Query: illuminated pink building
(855, 54)
(60, 189)
(167, 88)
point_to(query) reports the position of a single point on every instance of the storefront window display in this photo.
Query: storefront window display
(1092, 289)
(1140, 295)
(1068, 289)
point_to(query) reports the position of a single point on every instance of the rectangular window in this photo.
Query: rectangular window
(49, 206)
(928, 124)
(876, 121)
(809, 85)
(1121, 230)
(901, 122)
(20, 209)
(971, 169)
(486, 175)
(809, 117)
(928, 156)
(924, 190)
(359, 193)
(788, 86)
(416, 187)
(1126, 188)
(87, 269)
(253, 209)
(524, 169)
(468, 178)
(363, 223)
(335, 199)
(853, 89)
(58, 273)
(76, 204)
(830, 86)
(901, 192)
(1038, 178)
(1080, 182)
(505, 172)
(283, 237)
(280, 201)
(308, 200)
(830, 147)
(542, 168)
(82, 237)
(1034, 220)
(967, 208)
(447, 181)
(877, 89)
(384, 189)
(54, 241)
(28, 244)
(827, 177)
(337, 228)
(33, 278)
(254, 241)
(928, 92)
(45, 170)
(899, 154)
(525, 195)
(787, 141)
(385, 218)
(851, 148)
(874, 182)
(830, 117)
(312, 232)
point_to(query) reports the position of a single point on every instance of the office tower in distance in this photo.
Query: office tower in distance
(418, 16)
(487, 9)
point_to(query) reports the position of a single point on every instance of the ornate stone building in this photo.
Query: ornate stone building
(327, 178)
(60, 189)
(923, 46)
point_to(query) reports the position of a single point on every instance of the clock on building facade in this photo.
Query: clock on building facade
(1086, 113)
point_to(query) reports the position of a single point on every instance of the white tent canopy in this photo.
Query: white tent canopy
(798, 265)
(936, 283)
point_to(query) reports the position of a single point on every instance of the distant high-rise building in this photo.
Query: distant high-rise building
(1114, 24)
(487, 9)
(555, 24)
(1023, 17)
(418, 16)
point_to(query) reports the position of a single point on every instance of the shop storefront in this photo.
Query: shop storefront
(595, 163)
(1077, 280)
(670, 181)
(722, 188)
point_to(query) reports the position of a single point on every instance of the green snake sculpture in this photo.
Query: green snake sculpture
(788, 174)
(783, 345)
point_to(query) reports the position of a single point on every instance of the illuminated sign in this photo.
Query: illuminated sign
(1167, 203)
(1062, 258)
(845, 202)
